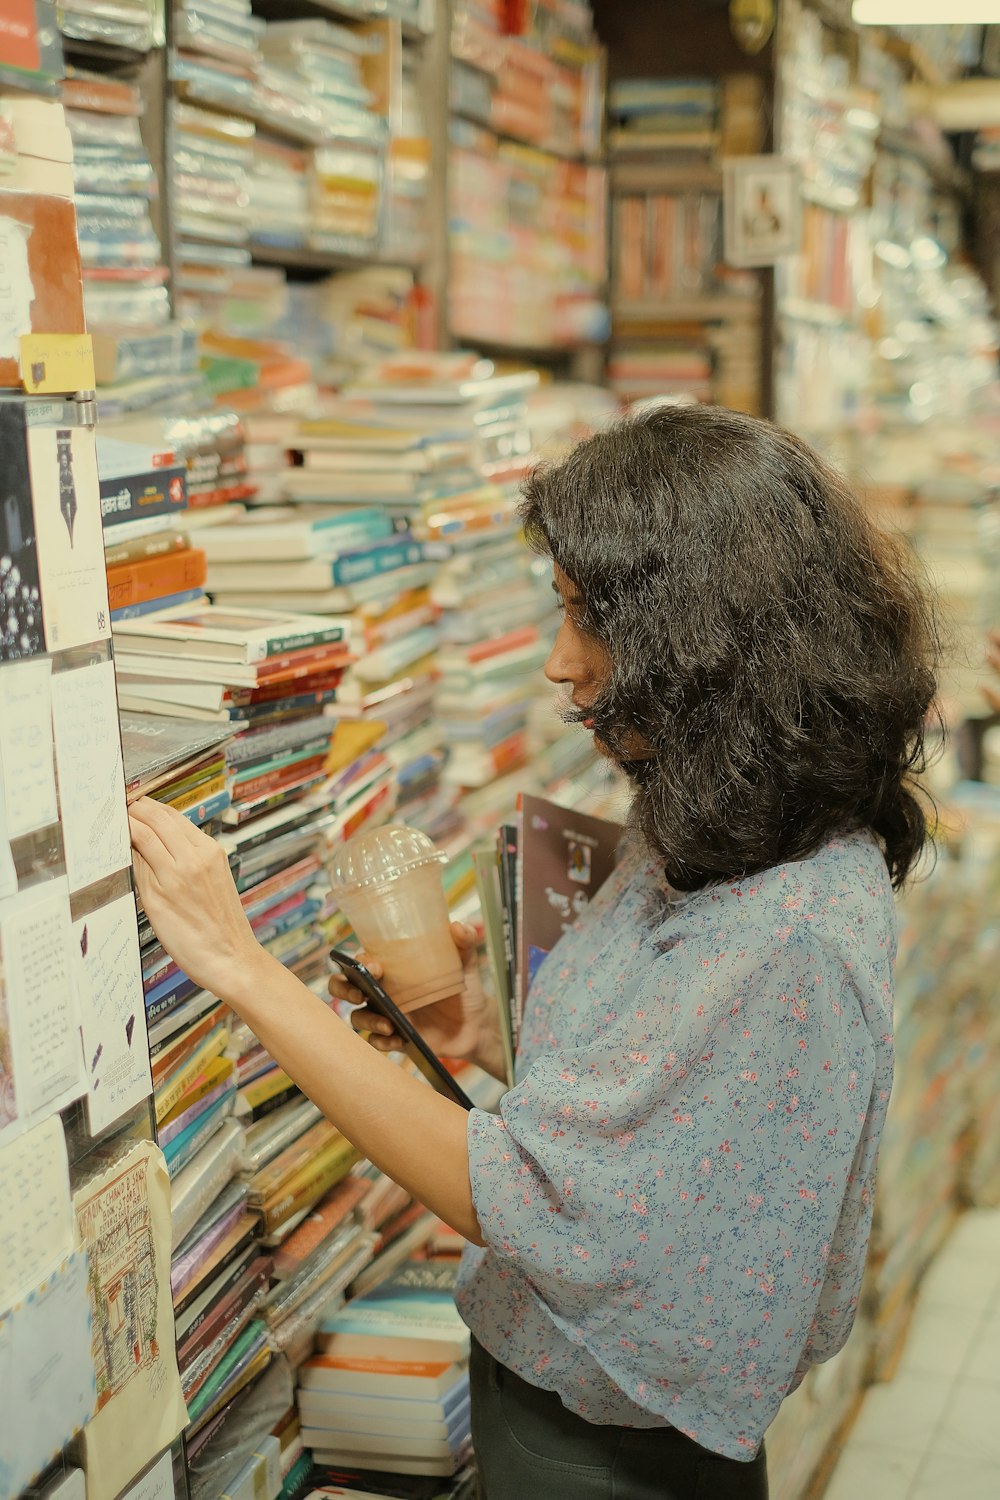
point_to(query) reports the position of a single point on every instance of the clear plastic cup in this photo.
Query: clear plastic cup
(387, 883)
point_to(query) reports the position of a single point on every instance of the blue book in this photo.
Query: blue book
(411, 1315)
(153, 606)
(303, 912)
(203, 812)
(180, 1150)
(294, 540)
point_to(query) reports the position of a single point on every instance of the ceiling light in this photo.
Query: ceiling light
(926, 12)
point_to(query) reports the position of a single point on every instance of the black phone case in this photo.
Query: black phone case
(386, 1006)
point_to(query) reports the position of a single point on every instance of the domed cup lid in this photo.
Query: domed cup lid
(379, 856)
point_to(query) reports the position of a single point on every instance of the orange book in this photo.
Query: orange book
(164, 1062)
(39, 270)
(332, 1211)
(156, 577)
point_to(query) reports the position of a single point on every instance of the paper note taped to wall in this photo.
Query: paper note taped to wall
(46, 1373)
(56, 362)
(34, 1240)
(18, 292)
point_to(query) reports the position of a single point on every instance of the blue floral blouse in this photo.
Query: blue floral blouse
(676, 1196)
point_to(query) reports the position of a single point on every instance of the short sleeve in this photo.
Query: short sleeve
(671, 1191)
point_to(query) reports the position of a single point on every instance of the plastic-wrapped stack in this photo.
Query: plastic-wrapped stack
(135, 25)
(526, 224)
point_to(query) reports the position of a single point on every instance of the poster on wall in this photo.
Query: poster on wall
(123, 1223)
(762, 210)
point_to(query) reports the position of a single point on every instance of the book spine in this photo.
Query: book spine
(152, 606)
(208, 808)
(156, 544)
(169, 1054)
(308, 1186)
(249, 1114)
(356, 567)
(156, 577)
(215, 1319)
(180, 1151)
(170, 1001)
(200, 1104)
(297, 640)
(173, 1092)
(158, 492)
(280, 780)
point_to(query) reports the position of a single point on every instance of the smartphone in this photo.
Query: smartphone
(386, 1006)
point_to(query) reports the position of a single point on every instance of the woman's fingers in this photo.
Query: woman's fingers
(380, 1033)
(340, 986)
(464, 938)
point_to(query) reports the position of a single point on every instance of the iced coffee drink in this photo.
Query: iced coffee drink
(388, 884)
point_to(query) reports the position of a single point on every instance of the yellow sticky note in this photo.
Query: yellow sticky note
(57, 362)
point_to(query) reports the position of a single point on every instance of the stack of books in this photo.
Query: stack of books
(527, 239)
(389, 1386)
(150, 560)
(217, 51)
(129, 24)
(211, 168)
(124, 274)
(211, 445)
(678, 367)
(658, 114)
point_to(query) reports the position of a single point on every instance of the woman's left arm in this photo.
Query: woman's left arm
(411, 1133)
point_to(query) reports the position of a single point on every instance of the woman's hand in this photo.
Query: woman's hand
(461, 1026)
(187, 890)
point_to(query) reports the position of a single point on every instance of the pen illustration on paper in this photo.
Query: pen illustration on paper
(116, 1227)
(65, 492)
(67, 489)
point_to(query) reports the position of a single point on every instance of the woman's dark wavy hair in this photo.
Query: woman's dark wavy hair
(773, 651)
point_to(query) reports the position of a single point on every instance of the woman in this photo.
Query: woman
(669, 1217)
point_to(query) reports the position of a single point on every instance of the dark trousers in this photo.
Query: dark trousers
(529, 1447)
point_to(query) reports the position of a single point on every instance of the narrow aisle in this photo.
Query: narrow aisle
(934, 1430)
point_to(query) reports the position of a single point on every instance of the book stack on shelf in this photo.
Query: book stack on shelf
(828, 126)
(527, 260)
(389, 1386)
(684, 323)
(133, 26)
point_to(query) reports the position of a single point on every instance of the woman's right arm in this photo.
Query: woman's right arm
(464, 1026)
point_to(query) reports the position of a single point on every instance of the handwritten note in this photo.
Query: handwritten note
(46, 1373)
(26, 754)
(91, 780)
(66, 498)
(35, 938)
(108, 978)
(157, 1484)
(34, 1240)
(123, 1221)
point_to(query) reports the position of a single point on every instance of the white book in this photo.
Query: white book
(216, 634)
(391, 1463)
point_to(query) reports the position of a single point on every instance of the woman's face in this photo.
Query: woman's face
(576, 660)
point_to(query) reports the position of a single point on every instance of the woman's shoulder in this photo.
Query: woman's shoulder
(843, 882)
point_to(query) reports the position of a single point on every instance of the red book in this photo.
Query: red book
(280, 780)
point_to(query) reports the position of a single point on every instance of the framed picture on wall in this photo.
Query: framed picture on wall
(762, 210)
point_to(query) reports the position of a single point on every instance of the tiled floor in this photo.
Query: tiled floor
(933, 1433)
